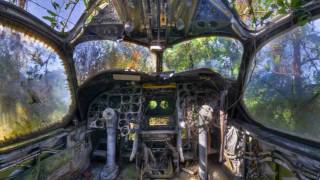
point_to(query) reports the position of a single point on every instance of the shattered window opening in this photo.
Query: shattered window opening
(220, 54)
(255, 14)
(283, 93)
(61, 15)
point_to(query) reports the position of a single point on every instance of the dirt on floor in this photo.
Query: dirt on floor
(216, 172)
(128, 171)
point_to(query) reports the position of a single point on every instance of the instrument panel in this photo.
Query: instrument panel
(136, 105)
(154, 104)
(125, 98)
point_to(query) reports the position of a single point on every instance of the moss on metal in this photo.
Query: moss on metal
(43, 168)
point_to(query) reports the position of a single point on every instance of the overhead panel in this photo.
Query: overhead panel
(160, 22)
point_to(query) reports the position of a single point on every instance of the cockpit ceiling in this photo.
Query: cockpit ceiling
(157, 22)
(161, 22)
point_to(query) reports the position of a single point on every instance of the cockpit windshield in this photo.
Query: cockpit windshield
(95, 56)
(220, 54)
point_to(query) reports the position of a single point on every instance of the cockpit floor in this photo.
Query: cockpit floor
(128, 172)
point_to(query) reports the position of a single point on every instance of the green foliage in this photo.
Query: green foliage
(52, 20)
(95, 56)
(283, 93)
(256, 13)
(33, 90)
(85, 2)
(53, 17)
(55, 5)
(220, 54)
(45, 166)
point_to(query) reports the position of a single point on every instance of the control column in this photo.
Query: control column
(205, 117)
(110, 170)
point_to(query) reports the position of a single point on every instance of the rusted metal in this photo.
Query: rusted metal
(223, 119)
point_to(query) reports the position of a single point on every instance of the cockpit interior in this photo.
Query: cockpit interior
(159, 89)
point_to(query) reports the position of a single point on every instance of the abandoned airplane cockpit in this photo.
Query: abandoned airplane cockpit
(159, 89)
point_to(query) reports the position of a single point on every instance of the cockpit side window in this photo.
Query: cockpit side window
(283, 93)
(95, 56)
(62, 16)
(34, 91)
(220, 54)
